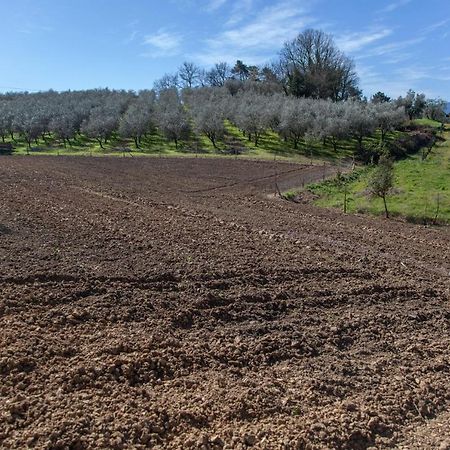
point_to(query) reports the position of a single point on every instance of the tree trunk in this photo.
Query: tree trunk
(360, 139)
(345, 198)
(386, 212)
(99, 140)
(136, 141)
(334, 145)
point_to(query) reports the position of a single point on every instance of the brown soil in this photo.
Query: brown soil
(171, 303)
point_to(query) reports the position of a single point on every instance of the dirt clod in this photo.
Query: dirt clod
(164, 303)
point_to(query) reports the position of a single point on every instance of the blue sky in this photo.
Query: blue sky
(79, 44)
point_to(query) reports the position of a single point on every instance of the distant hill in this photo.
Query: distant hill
(447, 108)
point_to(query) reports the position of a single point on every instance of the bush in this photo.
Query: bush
(369, 154)
(411, 143)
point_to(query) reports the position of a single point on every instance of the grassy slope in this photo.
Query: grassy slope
(270, 147)
(418, 186)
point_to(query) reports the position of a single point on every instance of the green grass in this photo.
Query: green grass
(418, 187)
(428, 123)
(271, 147)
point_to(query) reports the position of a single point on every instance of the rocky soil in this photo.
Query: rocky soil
(175, 303)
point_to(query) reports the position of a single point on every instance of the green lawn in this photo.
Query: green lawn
(419, 187)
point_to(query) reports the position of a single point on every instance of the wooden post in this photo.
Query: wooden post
(345, 198)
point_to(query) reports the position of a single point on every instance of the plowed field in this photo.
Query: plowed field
(170, 303)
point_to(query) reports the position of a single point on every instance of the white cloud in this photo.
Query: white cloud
(394, 5)
(421, 73)
(131, 37)
(356, 41)
(395, 50)
(31, 29)
(435, 26)
(257, 40)
(402, 79)
(162, 43)
(239, 11)
(215, 4)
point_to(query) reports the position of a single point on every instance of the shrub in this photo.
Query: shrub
(410, 143)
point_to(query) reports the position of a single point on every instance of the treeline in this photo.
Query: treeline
(100, 114)
(309, 66)
(310, 95)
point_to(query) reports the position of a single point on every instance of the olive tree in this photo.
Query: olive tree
(208, 110)
(138, 118)
(171, 116)
(295, 119)
(64, 125)
(252, 115)
(382, 181)
(388, 117)
(413, 103)
(435, 110)
(362, 121)
(101, 124)
(337, 125)
(6, 119)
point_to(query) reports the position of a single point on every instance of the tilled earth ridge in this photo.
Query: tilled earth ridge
(167, 303)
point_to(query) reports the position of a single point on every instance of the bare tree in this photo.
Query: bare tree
(167, 81)
(312, 66)
(218, 74)
(190, 74)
